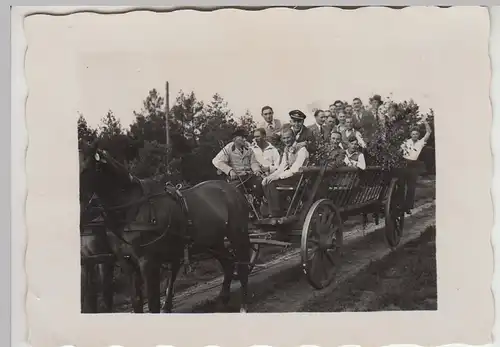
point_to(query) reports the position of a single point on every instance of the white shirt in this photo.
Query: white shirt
(349, 161)
(268, 158)
(411, 150)
(358, 136)
(285, 171)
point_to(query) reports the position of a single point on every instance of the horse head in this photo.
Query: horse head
(103, 174)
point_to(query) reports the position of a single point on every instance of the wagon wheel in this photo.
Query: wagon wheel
(395, 212)
(321, 243)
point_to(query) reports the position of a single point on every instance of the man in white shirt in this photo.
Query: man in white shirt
(411, 150)
(353, 157)
(266, 154)
(291, 162)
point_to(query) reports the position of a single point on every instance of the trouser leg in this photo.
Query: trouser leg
(273, 201)
(411, 181)
(254, 184)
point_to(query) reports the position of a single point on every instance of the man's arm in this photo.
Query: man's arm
(361, 142)
(221, 161)
(361, 162)
(302, 155)
(276, 160)
(428, 131)
(254, 164)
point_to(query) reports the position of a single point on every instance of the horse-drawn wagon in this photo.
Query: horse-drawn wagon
(319, 204)
(156, 224)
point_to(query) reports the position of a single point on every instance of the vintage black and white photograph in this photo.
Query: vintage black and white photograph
(225, 165)
(287, 200)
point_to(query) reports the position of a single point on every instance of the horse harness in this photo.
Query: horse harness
(150, 195)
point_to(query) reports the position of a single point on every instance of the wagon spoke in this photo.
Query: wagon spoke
(325, 272)
(330, 257)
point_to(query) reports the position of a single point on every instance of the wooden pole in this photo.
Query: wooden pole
(167, 126)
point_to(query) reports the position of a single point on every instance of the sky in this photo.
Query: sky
(283, 58)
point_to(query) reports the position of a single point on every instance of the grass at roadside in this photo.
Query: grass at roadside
(405, 280)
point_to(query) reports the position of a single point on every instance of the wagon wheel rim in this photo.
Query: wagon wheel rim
(321, 246)
(395, 213)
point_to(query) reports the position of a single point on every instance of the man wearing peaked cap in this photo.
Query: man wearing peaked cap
(303, 135)
(297, 115)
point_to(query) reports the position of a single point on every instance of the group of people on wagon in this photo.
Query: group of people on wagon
(260, 167)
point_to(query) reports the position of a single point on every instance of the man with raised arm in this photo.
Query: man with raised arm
(292, 159)
(411, 150)
(238, 161)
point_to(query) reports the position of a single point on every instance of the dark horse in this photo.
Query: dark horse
(97, 260)
(155, 225)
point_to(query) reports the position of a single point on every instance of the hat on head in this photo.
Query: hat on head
(377, 97)
(297, 115)
(239, 132)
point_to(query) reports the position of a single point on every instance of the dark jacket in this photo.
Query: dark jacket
(321, 134)
(367, 125)
(307, 135)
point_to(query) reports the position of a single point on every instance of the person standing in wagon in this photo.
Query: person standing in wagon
(411, 150)
(271, 125)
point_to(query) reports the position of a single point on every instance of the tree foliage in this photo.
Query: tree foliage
(199, 129)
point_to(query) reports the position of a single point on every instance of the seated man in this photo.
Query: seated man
(353, 157)
(337, 152)
(292, 160)
(350, 131)
(266, 154)
(238, 161)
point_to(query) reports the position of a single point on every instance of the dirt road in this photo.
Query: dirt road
(403, 279)
(278, 285)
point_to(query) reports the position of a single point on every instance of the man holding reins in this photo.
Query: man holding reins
(238, 161)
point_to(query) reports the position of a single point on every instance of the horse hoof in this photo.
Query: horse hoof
(243, 310)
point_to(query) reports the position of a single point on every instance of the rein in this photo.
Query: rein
(137, 202)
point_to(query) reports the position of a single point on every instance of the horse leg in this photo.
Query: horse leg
(136, 289)
(241, 247)
(169, 297)
(90, 288)
(134, 279)
(107, 276)
(226, 260)
(151, 274)
(243, 272)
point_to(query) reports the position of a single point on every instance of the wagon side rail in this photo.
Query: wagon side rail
(352, 189)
